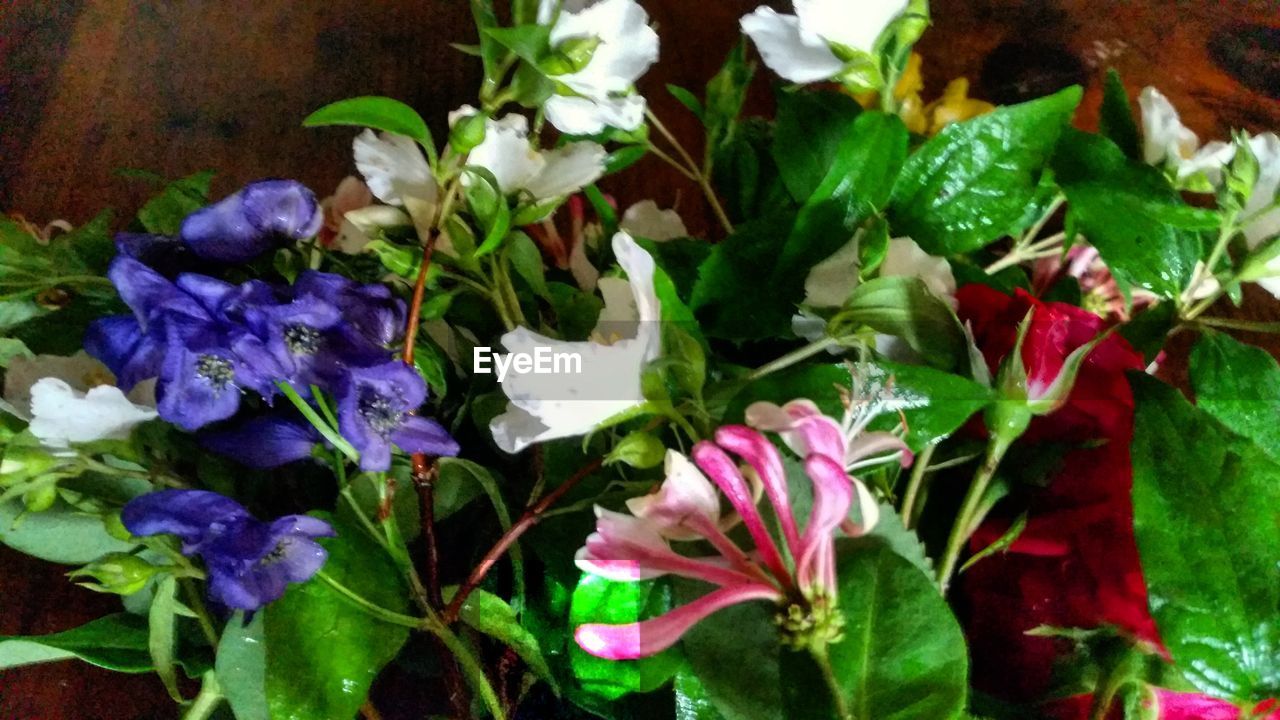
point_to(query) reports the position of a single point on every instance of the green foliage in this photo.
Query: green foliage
(491, 615)
(61, 534)
(971, 183)
(164, 213)
(115, 642)
(810, 129)
(1239, 385)
(1204, 516)
(377, 113)
(1129, 212)
(241, 667)
(1116, 118)
(323, 652)
(597, 600)
(905, 307)
(726, 95)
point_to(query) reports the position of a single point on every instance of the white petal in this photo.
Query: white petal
(905, 258)
(853, 23)
(567, 170)
(62, 415)
(831, 281)
(809, 326)
(507, 154)
(1208, 161)
(646, 220)
(1266, 148)
(628, 46)
(796, 56)
(585, 116)
(78, 371)
(1164, 137)
(394, 168)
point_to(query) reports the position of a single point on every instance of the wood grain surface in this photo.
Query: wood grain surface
(88, 87)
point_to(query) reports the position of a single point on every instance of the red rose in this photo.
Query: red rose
(1076, 563)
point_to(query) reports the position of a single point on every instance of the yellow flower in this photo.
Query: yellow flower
(955, 105)
(928, 119)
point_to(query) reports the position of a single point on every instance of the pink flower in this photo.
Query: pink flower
(1167, 705)
(802, 581)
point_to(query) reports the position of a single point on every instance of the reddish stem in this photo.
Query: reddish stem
(530, 518)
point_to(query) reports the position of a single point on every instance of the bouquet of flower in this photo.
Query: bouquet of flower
(887, 444)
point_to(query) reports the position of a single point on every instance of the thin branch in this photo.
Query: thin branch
(530, 518)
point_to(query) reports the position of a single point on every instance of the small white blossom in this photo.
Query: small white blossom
(518, 166)
(398, 174)
(646, 220)
(800, 47)
(1166, 142)
(61, 415)
(603, 91)
(550, 406)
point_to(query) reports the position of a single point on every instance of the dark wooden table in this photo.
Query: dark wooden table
(88, 87)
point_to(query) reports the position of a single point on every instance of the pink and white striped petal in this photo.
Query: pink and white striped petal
(685, 493)
(721, 469)
(763, 457)
(832, 497)
(650, 637)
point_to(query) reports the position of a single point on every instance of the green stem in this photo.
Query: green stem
(698, 175)
(197, 605)
(794, 357)
(1246, 325)
(373, 609)
(918, 470)
(1229, 228)
(207, 701)
(970, 515)
(470, 666)
(823, 660)
(328, 431)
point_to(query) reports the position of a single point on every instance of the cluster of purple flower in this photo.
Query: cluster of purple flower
(207, 341)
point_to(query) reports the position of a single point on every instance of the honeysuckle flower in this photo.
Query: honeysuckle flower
(249, 563)
(253, 221)
(808, 46)
(398, 174)
(1100, 292)
(62, 415)
(375, 411)
(518, 166)
(635, 547)
(547, 406)
(603, 94)
(646, 220)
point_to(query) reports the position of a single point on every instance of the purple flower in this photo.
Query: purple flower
(253, 221)
(249, 563)
(372, 319)
(200, 379)
(296, 340)
(375, 407)
(265, 442)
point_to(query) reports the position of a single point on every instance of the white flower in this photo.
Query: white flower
(550, 406)
(646, 220)
(1262, 224)
(61, 415)
(905, 258)
(397, 173)
(603, 89)
(799, 47)
(1167, 142)
(517, 165)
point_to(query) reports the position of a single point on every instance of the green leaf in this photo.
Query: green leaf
(489, 207)
(903, 656)
(464, 472)
(811, 127)
(491, 51)
(1130, 213)
(687, 99)
(905, 307)
(161, 641)
(377, 113)
(116, 642)
(526, 260)
(164, 213)
(971, 183)
(1116, 118)
(1239, 385)
(1205, 505)
(692, 702)
(532, 43)
(726, 95)
(734, 654)
(60, 534)
(241, 667)
(323, 653)
(492, 616)
(597, 600)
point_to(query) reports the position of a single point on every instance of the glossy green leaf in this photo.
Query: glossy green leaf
(323, 653)
(377, 113)
(526, 260)
(164, 213)
(971, 183)
(726, 95)
(1130, 213)
(1115, 120)
(116, 642)
(903, 656)
(810, 128)
(692, 702)
(61, 534)
(492, 616)
(1205, 505)
(489, 207)
(734, 654)
(1239, 385)
(241, 667)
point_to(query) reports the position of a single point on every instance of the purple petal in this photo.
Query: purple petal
(265, 442)
(119, 343)
(283, 207)
(423, 435)
(190, 394)
(185, 513)
(302, 525)
(147, 292)
(252, 221)
(301, 558)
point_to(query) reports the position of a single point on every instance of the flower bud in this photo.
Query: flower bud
(23, 462)
(640, 450)
(467, 133)
(571, 56)
(118, 573)
(41, 498)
